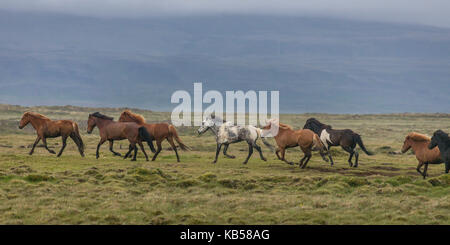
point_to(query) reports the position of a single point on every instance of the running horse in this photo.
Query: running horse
(46, 128)
(226, 133)
(286, 137)
(159, 132)
(441, 140)
(346, 138)
(111, 130)
(419, 144)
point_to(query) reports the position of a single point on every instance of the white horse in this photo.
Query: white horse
(227, 133)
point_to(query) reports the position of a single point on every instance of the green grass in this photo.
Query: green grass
(384, 189)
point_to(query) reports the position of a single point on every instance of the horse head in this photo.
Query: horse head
(24, 121)
(91, 123)
(438, 136)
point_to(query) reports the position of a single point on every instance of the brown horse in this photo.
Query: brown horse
(111, 130)
(46, 128)
(419, 143)
(288, 138)
(159, 131)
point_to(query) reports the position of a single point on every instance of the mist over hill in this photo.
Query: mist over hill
(317, 64)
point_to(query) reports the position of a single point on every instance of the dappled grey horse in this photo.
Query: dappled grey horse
(227, 133)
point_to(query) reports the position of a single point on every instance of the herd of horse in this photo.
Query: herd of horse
(315, 136)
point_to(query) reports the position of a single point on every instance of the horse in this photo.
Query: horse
(159, 131)
(226, 133)
(111, 130)
(287, 137)
(46, 128)
(346, 138)
(419, 144)
(442, 141)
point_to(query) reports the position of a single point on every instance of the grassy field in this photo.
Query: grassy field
(384, 189)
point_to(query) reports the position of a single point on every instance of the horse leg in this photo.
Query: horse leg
(250, 152)
(352, 152)
(135, 151)
(143, 150)
(130, 148)
(447, 166)
(276, 152)
(217, 152)
(97, 155)
(329, 156)
(283, 151)
(425, 170)
(174, 147)
(111, 144)
(308, 155)
(301, 161)
(258, 148)
(46, 147)
(225, 149)
(34, 145)
(158, 144)
(418, 168)
(356, 159)
(64, 142)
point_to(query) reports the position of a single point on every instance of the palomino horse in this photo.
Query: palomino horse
(419, 144)
(442, 141)
(346, 138)
(110, 130)
(226, 133)
(288, 138)
(159, 132)
(46, 128)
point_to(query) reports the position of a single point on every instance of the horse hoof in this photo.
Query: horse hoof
(291, 163)
(244, 163)
(264, 159)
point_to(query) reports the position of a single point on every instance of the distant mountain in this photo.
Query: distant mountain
(317, 64)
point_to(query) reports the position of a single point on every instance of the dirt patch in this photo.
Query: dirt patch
(386, 168)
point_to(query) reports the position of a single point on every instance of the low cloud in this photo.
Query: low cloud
(431, 12)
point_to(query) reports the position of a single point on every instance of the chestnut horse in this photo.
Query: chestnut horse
(111, 130)
(159, 131)
(419, 144)
(46, 128)
(288, 138)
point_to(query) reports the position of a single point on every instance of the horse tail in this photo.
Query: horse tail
(147, 137)
(361, 145)
(317, 143)
(75, 135)
(173, 132)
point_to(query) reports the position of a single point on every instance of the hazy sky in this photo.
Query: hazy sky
(429, 12)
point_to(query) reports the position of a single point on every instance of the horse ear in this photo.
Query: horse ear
(213, 115)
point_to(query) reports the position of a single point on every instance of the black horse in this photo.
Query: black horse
(346, 138)
(442, 141)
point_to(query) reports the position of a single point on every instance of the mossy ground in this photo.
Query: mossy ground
(384, 189)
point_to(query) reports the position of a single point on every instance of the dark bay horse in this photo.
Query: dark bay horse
(159, 132)
(419, 144)
(227, 133)
(287, 137)
(442, 141)
(346, 138)
(111, 130)
(46, 128)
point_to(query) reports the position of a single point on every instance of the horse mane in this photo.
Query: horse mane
(99, 115)
(443, 135)
(418, 137)
(36, 115)
(139, 119)
(285, 126)
(316, 122)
